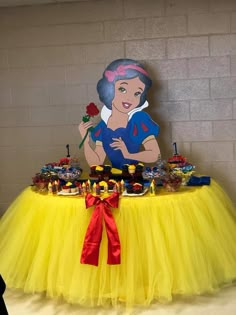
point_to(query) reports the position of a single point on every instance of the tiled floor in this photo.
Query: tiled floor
(222, 303)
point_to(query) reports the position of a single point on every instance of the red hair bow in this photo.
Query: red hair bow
(110, 75)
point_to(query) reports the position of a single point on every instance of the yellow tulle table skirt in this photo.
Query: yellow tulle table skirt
(181, 243)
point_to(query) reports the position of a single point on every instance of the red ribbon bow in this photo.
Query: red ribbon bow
(93, 237)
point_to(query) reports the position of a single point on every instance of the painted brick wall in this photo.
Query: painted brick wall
(51, 57)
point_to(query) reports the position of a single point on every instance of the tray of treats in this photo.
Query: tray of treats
(63, 193)
(134, 189)
(128, 171)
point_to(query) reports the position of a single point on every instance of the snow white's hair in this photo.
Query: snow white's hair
(121, 69)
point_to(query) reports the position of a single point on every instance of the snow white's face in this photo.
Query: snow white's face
(127, 94)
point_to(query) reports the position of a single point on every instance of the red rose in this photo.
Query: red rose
(92, 110)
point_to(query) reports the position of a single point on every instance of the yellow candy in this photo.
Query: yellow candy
(99, 168)
(103, 183)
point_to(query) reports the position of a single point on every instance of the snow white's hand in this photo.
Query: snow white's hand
(84, 126)
(119, 144)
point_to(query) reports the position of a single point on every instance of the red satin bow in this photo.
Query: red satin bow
(93, 237)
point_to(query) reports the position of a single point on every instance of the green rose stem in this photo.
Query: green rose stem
(82, 142)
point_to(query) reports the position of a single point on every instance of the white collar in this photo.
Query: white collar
(106, 112)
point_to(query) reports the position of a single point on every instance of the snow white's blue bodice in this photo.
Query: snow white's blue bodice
(139, 127)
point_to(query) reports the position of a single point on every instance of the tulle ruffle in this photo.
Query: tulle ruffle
(181, 243)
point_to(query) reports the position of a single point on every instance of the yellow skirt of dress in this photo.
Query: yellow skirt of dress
(181, 243)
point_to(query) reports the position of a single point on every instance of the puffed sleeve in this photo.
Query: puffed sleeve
(96, 133)
(142, 126)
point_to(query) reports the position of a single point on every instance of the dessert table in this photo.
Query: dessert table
(179, 243)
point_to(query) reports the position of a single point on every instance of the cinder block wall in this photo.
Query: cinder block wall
(51, 57)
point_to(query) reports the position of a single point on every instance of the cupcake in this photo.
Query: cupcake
(99, 172)
(99, 169)
(79, 187)
(73, 189)
(107, 169)
(139, 171)
(137, 188)
(129, 188)
(111, 184)
(139, 167)
(66, 189)
(125, 168)
(176, 160)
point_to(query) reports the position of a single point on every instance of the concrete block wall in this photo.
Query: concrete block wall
(52, 55)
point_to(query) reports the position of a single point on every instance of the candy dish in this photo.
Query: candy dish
(171, 182)
(69, 174)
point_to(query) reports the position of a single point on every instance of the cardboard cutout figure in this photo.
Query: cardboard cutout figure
(124, 126)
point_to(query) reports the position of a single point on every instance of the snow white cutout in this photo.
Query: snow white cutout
(124, 126)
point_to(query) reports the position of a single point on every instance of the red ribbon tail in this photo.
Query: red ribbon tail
(113, 257)
(90, 254)
(114, 247)
(90, 251)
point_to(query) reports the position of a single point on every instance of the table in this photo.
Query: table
(180, 243)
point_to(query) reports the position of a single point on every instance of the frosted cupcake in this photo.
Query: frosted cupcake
(111, 184)
(66, 189)
(100, 172)
(99, 169)
(73, 189)
(137, 188)
(107, 169)
(139, 167)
